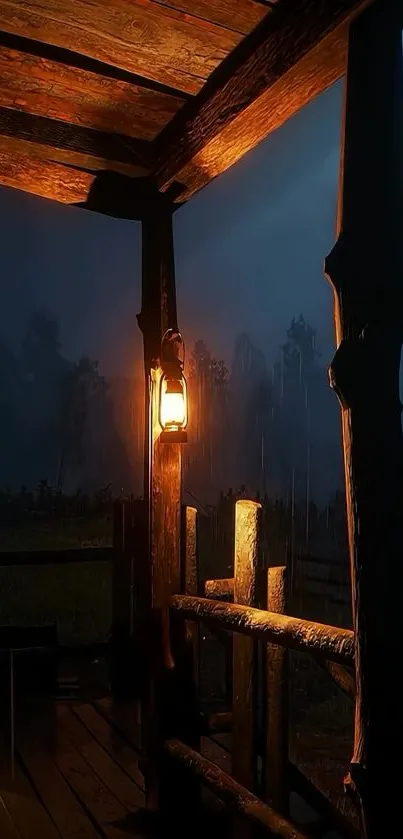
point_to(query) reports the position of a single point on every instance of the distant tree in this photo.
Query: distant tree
(250, 421)
(208, 411)
(79, 387)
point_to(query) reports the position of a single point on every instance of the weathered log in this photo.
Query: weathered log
(340, 676)
(169, 702)
(247, 559)
(294, 633)
(231, 793)
(366, 269)
(190, 583)
(276, 763)
(320, 803)
(292, 56)
(222, 589)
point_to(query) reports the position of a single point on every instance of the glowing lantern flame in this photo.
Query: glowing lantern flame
(173, 404)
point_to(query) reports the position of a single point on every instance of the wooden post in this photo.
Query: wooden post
(276, 769)
(128, 542)
(366, 271)
(247, 592)
(190, 583)
(120, 603)
(168, 704)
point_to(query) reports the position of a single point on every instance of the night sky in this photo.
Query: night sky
(249, 253)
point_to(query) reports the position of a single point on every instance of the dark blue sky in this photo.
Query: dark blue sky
(249, 253)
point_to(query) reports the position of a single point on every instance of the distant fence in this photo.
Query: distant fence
(321, 588)
(13, 559)
(321, 577)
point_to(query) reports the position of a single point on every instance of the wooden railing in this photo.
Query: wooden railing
(124, 555)
(14, 559)
(258, 622)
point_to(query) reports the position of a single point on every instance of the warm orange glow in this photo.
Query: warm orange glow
(173, 404)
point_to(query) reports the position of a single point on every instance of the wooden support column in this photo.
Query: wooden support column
(247, 592)
(366, 271)
(168, 704)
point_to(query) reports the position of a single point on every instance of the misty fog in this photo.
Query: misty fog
(249, 261)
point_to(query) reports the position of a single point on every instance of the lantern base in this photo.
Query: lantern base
(174, 436)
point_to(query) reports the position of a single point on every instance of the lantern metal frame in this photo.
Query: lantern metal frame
(172, 362)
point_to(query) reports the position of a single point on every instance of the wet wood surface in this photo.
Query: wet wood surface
(247, 568)
(75, 776)
(293, 55)
(294, 633)
(152, 40)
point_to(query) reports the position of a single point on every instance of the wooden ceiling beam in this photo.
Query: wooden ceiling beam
(294, 54)
(43, 178)
(106, 192)
(51, 139)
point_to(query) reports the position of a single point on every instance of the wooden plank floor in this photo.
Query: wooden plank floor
(76, 774)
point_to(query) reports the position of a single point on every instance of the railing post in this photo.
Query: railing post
(276, 768)
(190, 584)
(247, 592)
(128, 543)
(120, 604)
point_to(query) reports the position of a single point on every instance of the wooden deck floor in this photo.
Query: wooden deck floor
(76, 774)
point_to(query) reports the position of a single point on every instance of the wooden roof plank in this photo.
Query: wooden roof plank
(41, 86)
(239, 15)
(294, 54)
(58, 141)
(141, 36)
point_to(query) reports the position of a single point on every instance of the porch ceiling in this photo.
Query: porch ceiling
(171, 92)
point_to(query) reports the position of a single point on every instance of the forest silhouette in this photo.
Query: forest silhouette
(274, 429)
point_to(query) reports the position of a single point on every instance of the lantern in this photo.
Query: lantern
(173, 391)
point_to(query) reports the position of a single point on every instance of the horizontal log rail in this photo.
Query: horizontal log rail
(319, 802)
(55, 557)
(339, 675)
(330, 642)
(223, 588)
(231, 793)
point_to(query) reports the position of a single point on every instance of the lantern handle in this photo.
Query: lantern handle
(171, 343)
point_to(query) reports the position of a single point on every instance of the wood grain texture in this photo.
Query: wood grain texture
(277, 722)
(110, 739)
(35, 755)
(247, 558)
(44, 179)
(153, 41)
(240, 16)
(292, 56)
(20, 802)
(293, 633)
(54, 89)
(221, 589)
(365, 268)
(64, 143)
(115, 779)
(234, 795)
